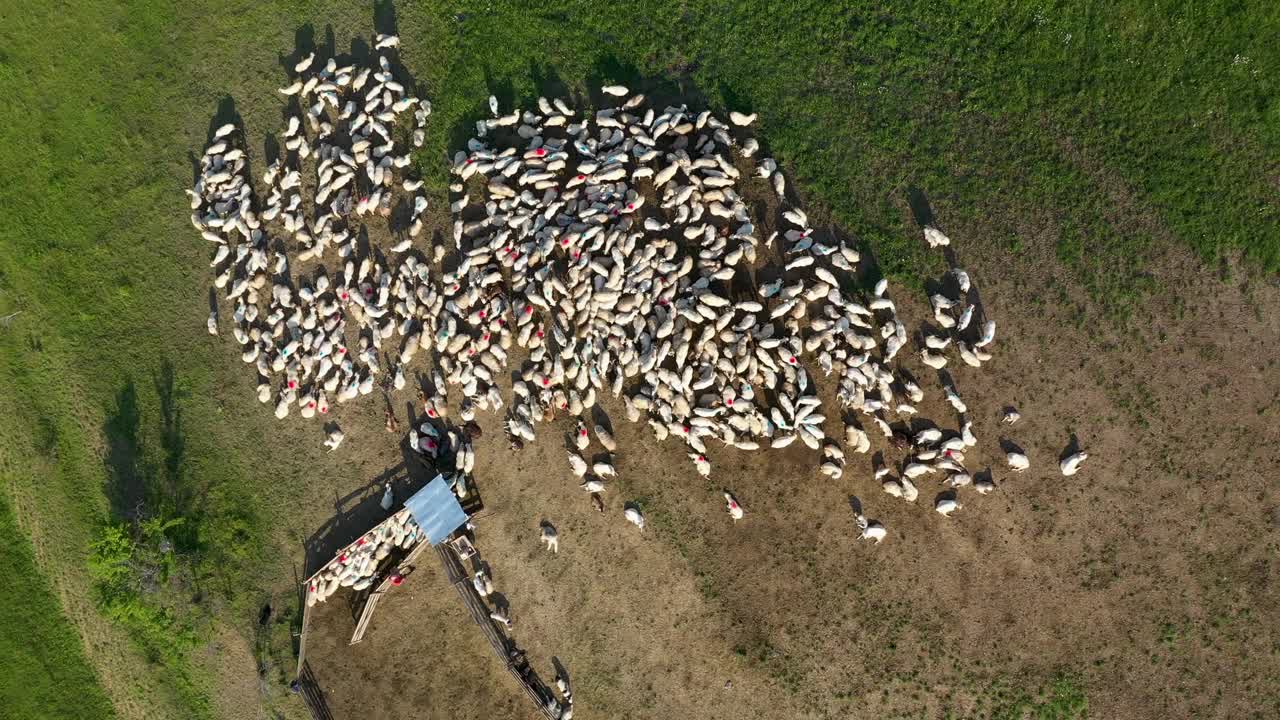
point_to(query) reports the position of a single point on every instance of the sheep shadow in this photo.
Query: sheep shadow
(1009, 446)
(921, 209)
(304, 43)
(1073, 447)
(561, 672)
(355, 514)
(919, 424)
(601, 418)
(855, 505)
(877, 461)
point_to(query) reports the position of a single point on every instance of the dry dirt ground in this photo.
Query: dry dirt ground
(1147, 580)
(422, 657)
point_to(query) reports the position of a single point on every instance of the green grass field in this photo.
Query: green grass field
(1134, 128)
(43, 671)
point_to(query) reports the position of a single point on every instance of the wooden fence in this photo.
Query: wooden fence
(311, 694)
(512, 659)
(371, 601)
(507, 652)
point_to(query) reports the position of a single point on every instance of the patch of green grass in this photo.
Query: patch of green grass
(43, 671)
(136, 572)
(1062, 699)
(88, 255)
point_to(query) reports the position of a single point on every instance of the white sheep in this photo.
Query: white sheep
(1071, 463)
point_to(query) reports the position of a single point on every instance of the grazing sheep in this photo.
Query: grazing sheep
(606, 438)
(946, 506)
(635, 517)
(870, 529)
(731, 504)
(1071, 463)
(482, 583)
(1018, 462)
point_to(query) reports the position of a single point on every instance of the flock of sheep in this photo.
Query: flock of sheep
(610, 251)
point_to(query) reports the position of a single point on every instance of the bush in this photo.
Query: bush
(137, 584)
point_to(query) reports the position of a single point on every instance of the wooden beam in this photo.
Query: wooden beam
(302, 637)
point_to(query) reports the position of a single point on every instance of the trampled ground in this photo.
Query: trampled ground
(1148, 568)
(1074, 156)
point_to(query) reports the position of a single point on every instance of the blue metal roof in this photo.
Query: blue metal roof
(436, 510)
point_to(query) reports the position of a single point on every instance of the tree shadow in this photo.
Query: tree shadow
(173, 439)
(126, 485)
(611, 69)
(271, 148)
(734, 100)
(226, 112)
(547, 81)
(465, 128)
(867, 270)
(137, 487)
(194, 160)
